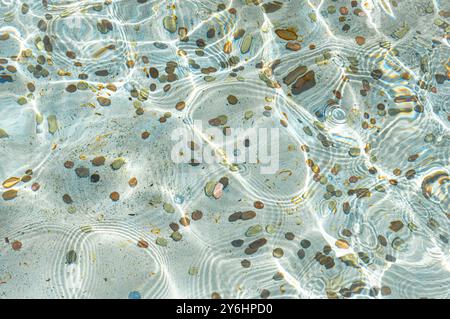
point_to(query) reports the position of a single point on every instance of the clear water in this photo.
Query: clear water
(359, 204)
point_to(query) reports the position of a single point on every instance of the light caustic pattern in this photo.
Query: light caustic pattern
(93, 205)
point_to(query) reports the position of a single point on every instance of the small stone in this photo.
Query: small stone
(354, 152)
(117, 163)
(232, 99)
(168, 208)
(103, 101)
(305, 243)
(342, 244)
(248, 215)
(52, 124)
(293, 46)
(304, 83)
(170, 23)
(254, 230)
(258, 205)
(396, 225)
(10, 182)
(196, 215)
(22, 101)
(301, 253)
(246, 43)
(218, 191)
(289, 236)
(9, 194)
(382, 240)
(180, 106)
(237, 243)
(98, 161)
(360, 40)
(95, 178)
(16, 245)
(71, 257)
(185, 221)
(273, 6)
(132, 182)
(71, 88)
(278, 253)
(385, 291)
(114, 196)
(82, 171)
(235, 216)
(265, 294)
(209, 188)
(161, 241)
(176, 236)
(67, 199)
(142, 244)
(286, 34)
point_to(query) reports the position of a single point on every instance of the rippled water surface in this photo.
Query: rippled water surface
(94, 206)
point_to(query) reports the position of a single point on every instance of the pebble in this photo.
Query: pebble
(246, 43)
(185, 221)
(71, 88)
(304, 83)
(396, 225)
(67, 199)
(258, 205)
(278, 253)
(168, 208)
(132, 182)
(341, 243)
(22, 100)
(142, 243)
(265, 294)
(176, 236)
(218, 190)
(170, 23)
(289, 236)
(209, 188)
(114, 196)
(16, 245)
(305, 243)
(232, 99)
(354, 151)
(82, 171)
(71, 257)
(196, 215)
(117, 163)
(360, 40)
(286, 34)
(98, 161)
(248, 215)
(95, 178)
(160, 241)
(254, 231)
(52, 124)
(180, 106)
(68, 164)
(103, 101)
(293, 46)
(10, 182)
(237, 243)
